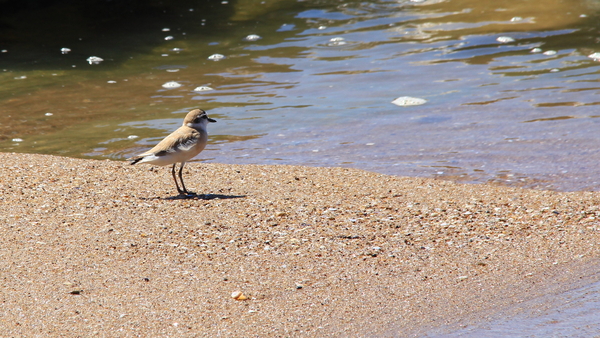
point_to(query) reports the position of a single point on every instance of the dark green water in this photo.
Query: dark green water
(495, 111)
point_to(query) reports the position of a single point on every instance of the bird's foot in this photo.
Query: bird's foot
(187, 194)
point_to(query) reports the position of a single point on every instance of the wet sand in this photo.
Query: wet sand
(101, 248)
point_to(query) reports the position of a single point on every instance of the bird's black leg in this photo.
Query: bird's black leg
(174, 178)
(181, 178)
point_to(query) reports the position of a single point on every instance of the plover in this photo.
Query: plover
(180, 146)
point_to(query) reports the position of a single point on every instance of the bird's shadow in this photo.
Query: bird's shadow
(196, 197)
(203, 197)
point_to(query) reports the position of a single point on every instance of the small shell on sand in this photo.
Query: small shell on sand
(238, 295)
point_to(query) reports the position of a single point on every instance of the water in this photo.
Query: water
(575, 314)
(317, 87)
(569, 309)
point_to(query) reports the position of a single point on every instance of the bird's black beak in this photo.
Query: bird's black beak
(211, 120)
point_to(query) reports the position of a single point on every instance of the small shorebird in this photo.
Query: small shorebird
(180, 146)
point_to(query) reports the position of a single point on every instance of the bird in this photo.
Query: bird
(180, 146)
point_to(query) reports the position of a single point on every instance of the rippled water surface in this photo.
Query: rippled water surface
(511, 91)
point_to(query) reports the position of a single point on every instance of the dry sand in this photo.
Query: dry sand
(100, 248)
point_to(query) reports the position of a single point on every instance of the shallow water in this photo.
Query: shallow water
(495, 112)
(576, 315)
(571, 313)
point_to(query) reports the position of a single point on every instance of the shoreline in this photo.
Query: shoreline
(96, 246)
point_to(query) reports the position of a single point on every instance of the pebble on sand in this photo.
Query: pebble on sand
(238, 295)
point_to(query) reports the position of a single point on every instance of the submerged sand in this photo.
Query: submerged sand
(102, 248)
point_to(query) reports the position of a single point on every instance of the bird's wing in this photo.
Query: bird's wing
(181, 139)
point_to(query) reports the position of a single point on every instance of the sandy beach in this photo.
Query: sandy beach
(102, 248)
